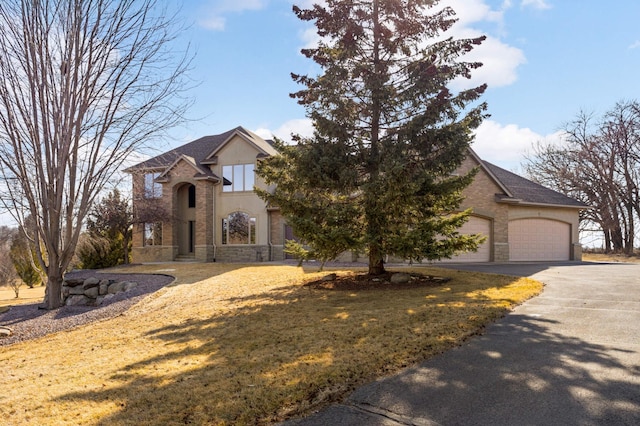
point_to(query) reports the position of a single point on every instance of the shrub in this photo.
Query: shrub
(96, 252)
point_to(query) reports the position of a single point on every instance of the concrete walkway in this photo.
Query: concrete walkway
(570, 356)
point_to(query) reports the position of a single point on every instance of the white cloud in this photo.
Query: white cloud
(213, 14)
(500, 61)
(503, 145)
(635, 44)
(507, 145)
(299, 126)
(308, 4)
(472, 11)
(310, 38)
(536, 4)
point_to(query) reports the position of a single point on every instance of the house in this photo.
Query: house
(206, 187)
(523, 221)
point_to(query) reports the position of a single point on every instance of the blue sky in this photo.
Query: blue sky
(544, 61)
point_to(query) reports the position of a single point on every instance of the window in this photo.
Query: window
(152, 189)
(152, 234)
(240, 177)
(239, 228)
(192, 196)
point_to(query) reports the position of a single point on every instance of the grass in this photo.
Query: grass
(612, 257)
(242, 344)
(27, 295)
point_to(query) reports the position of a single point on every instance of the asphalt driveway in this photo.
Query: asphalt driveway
(570, 356)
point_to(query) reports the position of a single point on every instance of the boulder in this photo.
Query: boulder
(116, 287)
(5, 332)
(129, 285)
(76, 300)
(101, 299)
(73, 282)
(76, 290)
(400, 278)
(330, 277)
(91, 282)
(92, 292)
(103, 287)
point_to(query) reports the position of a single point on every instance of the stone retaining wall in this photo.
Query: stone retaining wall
(92, 291)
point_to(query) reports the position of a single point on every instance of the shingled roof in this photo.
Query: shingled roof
(524, 191)
(201, 152)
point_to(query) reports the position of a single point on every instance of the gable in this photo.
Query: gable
(258, 145)
(186, 167)
(237, 151)
(482, 191)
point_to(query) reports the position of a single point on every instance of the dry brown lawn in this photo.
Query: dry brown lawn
(27, 295)
(242, 344)
(601, 257)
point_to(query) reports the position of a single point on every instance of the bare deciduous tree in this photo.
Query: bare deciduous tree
(599, 164)
(84, 84)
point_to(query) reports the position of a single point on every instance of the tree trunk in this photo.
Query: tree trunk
(376, 262)
(53, 292)
(374, 220)
(607, 240)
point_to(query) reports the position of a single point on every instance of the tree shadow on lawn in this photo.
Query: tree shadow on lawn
(281, 353)
(521, 372)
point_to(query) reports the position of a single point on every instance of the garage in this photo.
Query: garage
(475, 225)
(539, 240)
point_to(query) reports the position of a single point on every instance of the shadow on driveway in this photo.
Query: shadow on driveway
(524, 373)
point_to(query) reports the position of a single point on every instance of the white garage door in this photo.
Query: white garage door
(475, 225)
(539, 239)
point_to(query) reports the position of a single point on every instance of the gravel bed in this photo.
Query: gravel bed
(28, 322)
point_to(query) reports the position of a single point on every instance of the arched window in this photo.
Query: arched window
(239, 228)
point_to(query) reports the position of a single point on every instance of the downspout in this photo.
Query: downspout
(269, 242)
(215, 202)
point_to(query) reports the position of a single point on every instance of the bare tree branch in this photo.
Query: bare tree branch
(85, 83)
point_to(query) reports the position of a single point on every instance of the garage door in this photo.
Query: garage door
(539, 239)
(475, 225)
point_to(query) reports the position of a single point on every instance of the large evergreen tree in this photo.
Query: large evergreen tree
(378, 173)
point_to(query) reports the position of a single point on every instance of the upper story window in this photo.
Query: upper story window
(240, 176)
(152, 189)
(192, 197)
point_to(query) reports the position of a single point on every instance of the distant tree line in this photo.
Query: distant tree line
(598, 163)
(105, 242)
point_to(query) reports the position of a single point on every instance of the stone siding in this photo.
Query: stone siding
(242, 253)
(153, 254)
